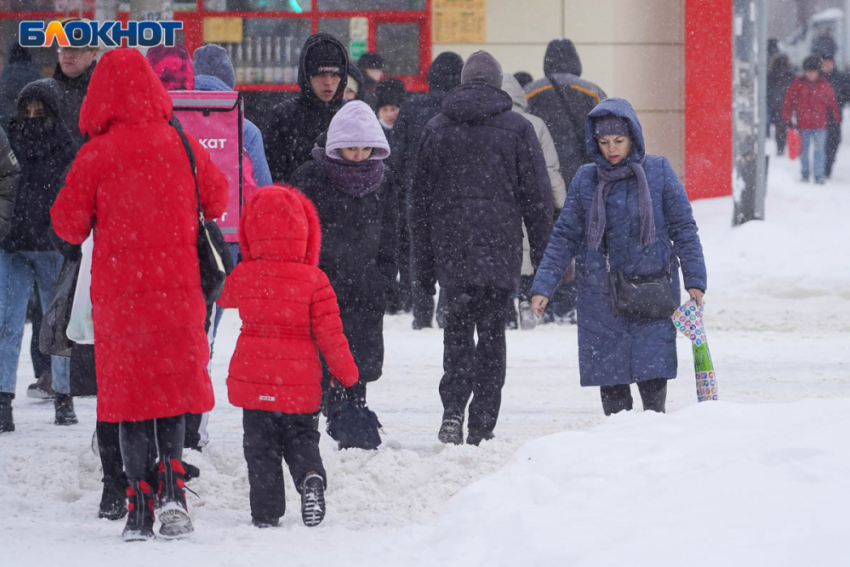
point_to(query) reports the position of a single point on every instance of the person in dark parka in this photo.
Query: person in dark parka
(841, 85)
(780, 75)
(443, 76)
(73, 73)
(646, 228)
(45, 149)
(480, 174)
(18, 73)
(297, 122)
(355, 197)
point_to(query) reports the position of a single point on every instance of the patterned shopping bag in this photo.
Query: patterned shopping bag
(688, 319)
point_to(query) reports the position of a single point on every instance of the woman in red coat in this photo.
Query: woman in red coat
(289, 312)
(132, 184)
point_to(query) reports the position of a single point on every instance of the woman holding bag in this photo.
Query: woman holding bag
(133, 184)
(628, 222)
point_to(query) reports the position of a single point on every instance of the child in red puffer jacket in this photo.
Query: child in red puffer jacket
(289, 312)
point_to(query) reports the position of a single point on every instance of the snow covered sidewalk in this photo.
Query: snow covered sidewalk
(757, 479)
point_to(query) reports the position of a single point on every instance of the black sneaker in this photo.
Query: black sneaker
(7, 424)
(263, 523)
(313, 500)
(475, 437)
(173, 511)
(64, 406)
(140, 516)
(451, 430)
(42, 389)
(112, 501)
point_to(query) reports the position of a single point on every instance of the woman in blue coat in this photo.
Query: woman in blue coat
(632, 205)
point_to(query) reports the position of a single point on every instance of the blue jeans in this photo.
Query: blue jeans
(816, 138)
(17, 272)
(219, 312)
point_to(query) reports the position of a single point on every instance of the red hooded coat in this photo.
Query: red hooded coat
(133, 185)
(288, 308)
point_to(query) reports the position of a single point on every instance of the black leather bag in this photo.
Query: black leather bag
(209, 257)
(52, 338)
(641, 297)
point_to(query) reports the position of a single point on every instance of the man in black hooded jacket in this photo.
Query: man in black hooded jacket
(297, 122)
(563, 99)
(443, 76)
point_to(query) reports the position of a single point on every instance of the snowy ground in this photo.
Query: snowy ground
(759, 478)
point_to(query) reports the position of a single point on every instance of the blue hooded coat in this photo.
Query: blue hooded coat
(622, 350)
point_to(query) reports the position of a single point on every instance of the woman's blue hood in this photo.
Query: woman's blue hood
(621, 108)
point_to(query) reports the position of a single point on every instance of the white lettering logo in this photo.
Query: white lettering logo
(267, 398)
(213, 143)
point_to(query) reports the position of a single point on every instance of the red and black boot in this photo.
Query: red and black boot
(173, 511)
(140, 517)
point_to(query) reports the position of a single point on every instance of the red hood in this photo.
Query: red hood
(123, 89)
(280, 223)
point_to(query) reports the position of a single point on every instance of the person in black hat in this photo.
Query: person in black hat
(297, 122)
(372, 66)
(390, 93)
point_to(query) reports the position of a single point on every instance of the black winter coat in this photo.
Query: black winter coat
(480, 173)
(20, 71)
(563, 100)
(73, 93)
(296, 123)
(45, 150)
(359, 238)
(8, 185)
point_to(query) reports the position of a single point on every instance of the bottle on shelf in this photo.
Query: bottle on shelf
(278, 64)
(295, 61)
(288, 76)
(268, 68)
(258, 60)
(239, 64)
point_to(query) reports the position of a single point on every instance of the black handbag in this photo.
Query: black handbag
(52, 338)
(209, 257)
(641, 297)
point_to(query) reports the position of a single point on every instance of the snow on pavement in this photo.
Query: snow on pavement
(754, 479)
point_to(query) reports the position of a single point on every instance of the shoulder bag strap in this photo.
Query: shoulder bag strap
(191, 156)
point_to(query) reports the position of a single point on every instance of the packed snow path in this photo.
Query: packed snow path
(778, 322)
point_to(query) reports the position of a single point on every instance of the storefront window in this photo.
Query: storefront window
(371, 5)
(399, 46)
(269, 50)
(294, 6)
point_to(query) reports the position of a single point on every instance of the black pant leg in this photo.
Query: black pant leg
(781, 137)
(301, 447)
(170, 435)
(458, 350)
(616, 398)
(525, 283)
(137, 444)
(40, 361)
(833, 141)
(405, 288)
(109, 447)
(364, 329)
(423, 305)
(490, 360)
(193, 430)
(263, 453)
(653, 394)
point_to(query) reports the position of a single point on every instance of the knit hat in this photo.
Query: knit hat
(610, 125)
(390, 92)
(370, 60)
(355, 124)
(812, 63)
(523, 78)
(212, 60)
(481, 67)
(173, 66)
(324, 57)
(444, 73)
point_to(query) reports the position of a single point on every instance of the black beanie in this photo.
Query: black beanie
(610, 125)
(812, 63)
(390, 91)
(324, 57)
(370, 60)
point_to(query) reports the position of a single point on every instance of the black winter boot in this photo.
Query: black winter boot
(42, 389)
(313, 500)
(174, 513)
(64, 406)
(7, 424)
(451, 430)
(112, 500)
(476, 437)
(140, 516)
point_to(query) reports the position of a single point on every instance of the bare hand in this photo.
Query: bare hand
(696, 295)
(538, 304)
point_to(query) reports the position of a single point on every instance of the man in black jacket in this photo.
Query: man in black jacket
(73, 73)
(480, 174)
(443, 76)
(297, 122)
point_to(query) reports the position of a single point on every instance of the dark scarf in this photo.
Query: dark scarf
(34, 139)
(607, 179)
(354, 178)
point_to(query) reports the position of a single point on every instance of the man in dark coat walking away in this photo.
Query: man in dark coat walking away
(480, 174)
(841, 86)
(18, 73)
(297, 122)
(443, 76)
